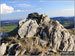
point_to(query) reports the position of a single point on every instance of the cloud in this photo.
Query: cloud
(23, 5)
(9, 9)
(6, 9)
(21, 11)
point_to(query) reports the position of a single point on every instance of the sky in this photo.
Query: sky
(11, 10)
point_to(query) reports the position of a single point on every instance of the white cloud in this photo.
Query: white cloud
(6, 9)
(20, 10)
(23, 5)
(9, 9)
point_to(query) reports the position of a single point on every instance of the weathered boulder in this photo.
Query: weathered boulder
(3, 48)
(14, 49)
(28, 29)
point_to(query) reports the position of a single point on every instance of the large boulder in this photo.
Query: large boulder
(28, 29)
(3, 48)
(14, 49)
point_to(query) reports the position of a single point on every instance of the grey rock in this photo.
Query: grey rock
(3, 48)
(28, 29)
(14, 49)
(52, 50)
(21, 22)
(59, 37)
(44, 19)
(33, 15)
(43, 42)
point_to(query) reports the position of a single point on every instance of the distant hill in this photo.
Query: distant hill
(5, 22)
(67, 22)
(68, 19)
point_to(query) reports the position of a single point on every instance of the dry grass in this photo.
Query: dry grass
(72, 31)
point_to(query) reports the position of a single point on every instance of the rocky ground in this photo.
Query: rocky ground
(37, 35)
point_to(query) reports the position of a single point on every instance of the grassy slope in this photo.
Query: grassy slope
(7, 28)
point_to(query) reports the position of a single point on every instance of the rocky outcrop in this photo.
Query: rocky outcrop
(28, 29)
(41, 35)
(49, 30)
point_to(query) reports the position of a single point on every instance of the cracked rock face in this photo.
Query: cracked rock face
(28, 29)
(42, 32)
